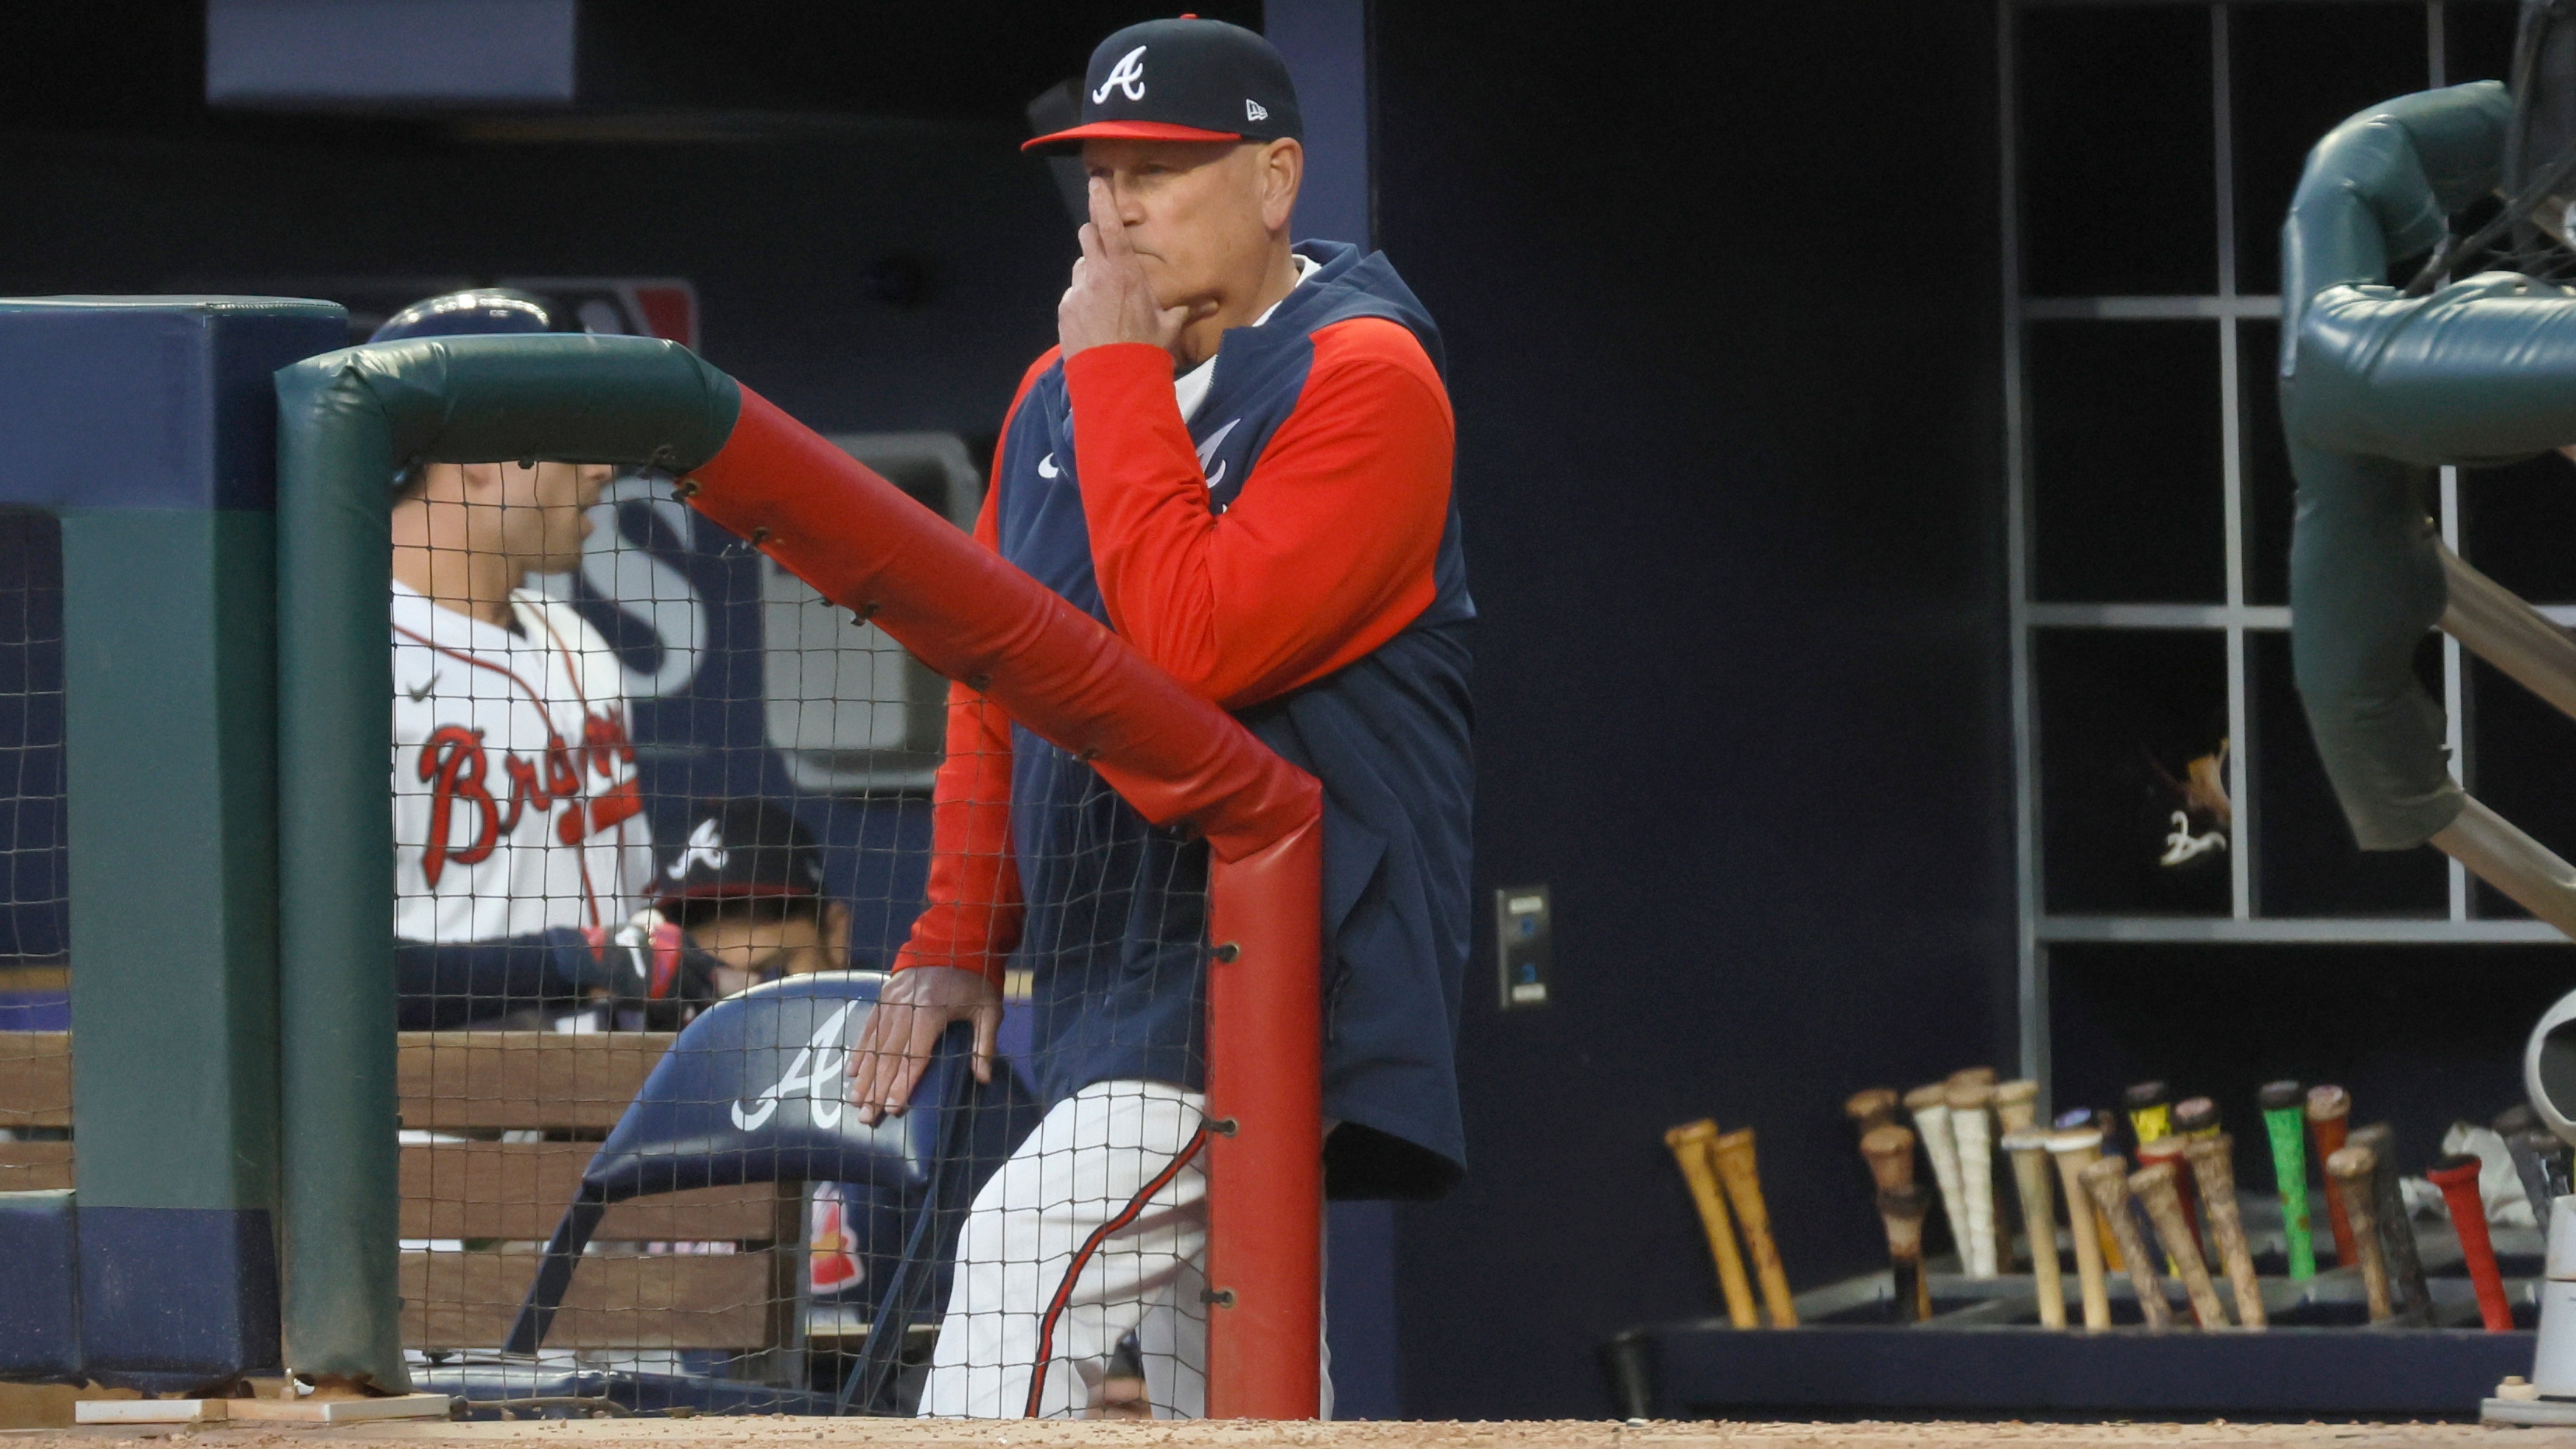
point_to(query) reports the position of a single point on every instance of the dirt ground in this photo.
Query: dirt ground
(783, 1433)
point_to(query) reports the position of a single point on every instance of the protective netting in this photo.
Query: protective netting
(663, 816)
(35, 961)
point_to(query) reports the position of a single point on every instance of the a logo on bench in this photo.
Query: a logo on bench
(818, 1071)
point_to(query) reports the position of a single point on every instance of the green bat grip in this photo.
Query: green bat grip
(2287, 1127)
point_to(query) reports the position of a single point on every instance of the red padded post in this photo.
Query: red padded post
(1265, 1077)
(1176, 758)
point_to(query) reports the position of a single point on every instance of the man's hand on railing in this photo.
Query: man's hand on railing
(894, 1047)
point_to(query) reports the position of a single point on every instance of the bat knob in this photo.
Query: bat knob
(2328, 1103)
(1890, 1151)
(2457, 1170)
(1871, 1109)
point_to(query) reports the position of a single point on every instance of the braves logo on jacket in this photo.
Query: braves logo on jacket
(516, 806)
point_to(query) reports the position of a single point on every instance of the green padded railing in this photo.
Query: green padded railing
(2378, 390)
(348, 421)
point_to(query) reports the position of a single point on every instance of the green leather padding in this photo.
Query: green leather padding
(2378, 390)
(348, 421)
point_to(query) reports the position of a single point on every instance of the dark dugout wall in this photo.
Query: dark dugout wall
(1719, 289)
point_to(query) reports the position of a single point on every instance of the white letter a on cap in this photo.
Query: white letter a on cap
(1127, 75)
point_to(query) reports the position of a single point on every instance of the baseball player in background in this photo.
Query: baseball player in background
(747, 886)
(1238, 457)
(522, 856)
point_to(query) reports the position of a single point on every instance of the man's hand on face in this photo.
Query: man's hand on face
(912, 1010)
(1110, 300)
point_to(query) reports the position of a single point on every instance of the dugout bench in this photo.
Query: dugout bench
(478, 1193)
(503, 1150)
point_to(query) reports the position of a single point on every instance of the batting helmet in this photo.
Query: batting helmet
(476, 312)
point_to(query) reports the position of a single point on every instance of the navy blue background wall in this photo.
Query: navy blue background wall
(1719, 287)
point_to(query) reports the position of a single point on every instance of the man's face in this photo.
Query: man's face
(763, 939)
(1194, 210)
(540, 515)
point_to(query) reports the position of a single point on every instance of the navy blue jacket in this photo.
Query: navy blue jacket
(1113, 921)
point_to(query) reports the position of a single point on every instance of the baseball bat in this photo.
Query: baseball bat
(2407, 1292)
(1889, 1150)
(2514, 1125)
(2029, 1153)
(1690, 1144)
(2213, 1167)
(1930, 1108)
(2154, 1186)
(2107, 1181)
(2073, 1152)
(1901, 1209)
(2148, 1109)
(1890, 1153)
(2457, 1177)
(2329, 1117)
(2148, 1106)
(2097, 1122)
(2017, 1105)
(1971, 1077)
(2016, 1110)
(2284, 1120)
(1735, 1168)
(2349, 1171)
(1972, 1128)
(2168, 1151)
(2195, 1118)
(1870, 1110)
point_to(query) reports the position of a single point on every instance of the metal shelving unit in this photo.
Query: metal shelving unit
(2234, 618)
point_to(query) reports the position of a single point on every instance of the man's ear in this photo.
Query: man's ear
(478, 482)
(1283, 170)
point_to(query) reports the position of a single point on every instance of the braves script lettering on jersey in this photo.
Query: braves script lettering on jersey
(516, 807)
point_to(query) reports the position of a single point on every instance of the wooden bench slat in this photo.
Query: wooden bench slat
(35, 1079)
(455, 1079)
(467, 1300)
(35, 1166)
(520, 1189)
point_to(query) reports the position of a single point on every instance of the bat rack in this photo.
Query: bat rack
(1984, 1354)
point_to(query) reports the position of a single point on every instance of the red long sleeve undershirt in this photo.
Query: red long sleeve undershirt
(1325, 554)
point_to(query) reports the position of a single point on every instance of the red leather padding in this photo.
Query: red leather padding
(969, 615)
(1176, 758)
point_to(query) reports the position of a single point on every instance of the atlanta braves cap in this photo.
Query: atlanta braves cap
(743, 848)
(1182, 80)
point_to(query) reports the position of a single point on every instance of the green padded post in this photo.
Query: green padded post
(346, 421)
(2377, 391)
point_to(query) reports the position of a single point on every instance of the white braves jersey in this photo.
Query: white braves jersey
(515, 801)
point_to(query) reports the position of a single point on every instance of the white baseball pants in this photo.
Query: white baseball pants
(1095, 1228)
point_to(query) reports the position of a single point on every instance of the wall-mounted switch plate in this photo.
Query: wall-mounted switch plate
(1524, 945)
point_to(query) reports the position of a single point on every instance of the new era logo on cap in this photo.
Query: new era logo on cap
(1183, 80)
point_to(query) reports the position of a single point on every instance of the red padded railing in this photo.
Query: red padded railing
(1177, 759)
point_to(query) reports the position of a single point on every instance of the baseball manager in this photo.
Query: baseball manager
(1238, 457)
